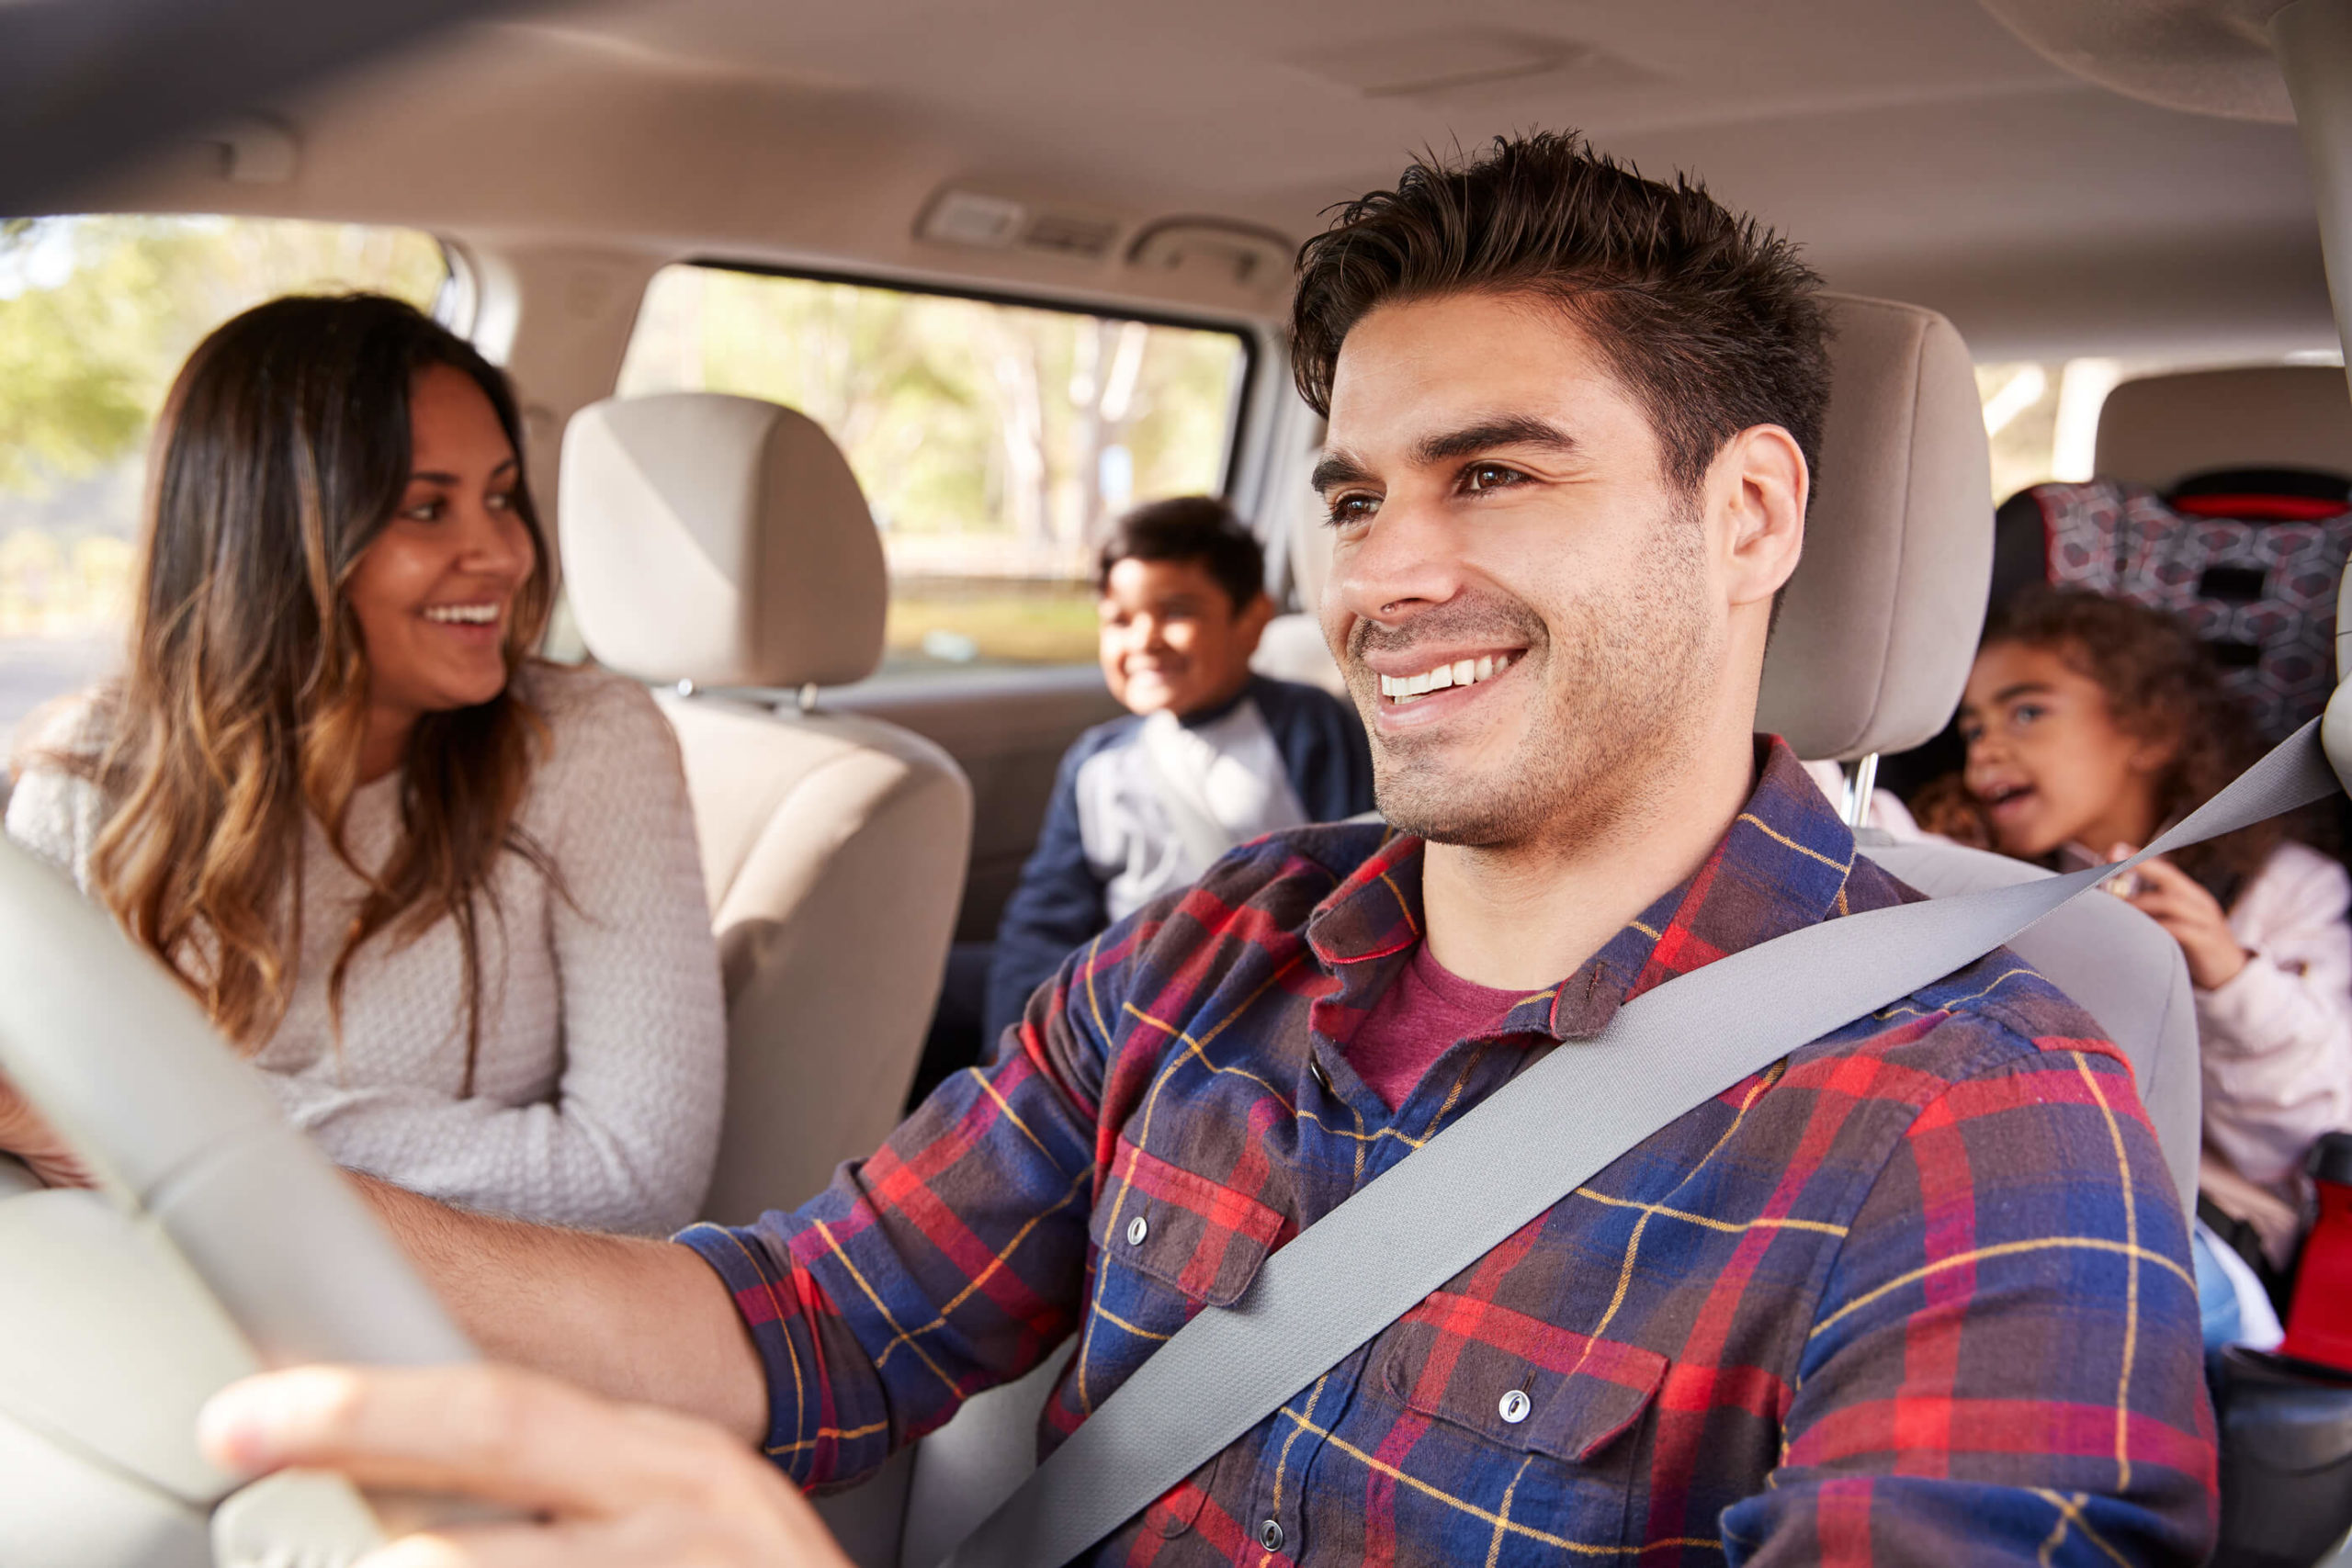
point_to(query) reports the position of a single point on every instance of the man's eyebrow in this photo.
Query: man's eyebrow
(1503, 429)
(2024, 689)
(1338, 468)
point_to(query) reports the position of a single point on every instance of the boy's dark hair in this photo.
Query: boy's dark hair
(1709, 320)
(1188, 527)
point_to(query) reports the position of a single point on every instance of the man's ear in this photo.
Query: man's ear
(1759, 483)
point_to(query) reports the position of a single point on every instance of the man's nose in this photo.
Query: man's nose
(1409, 558)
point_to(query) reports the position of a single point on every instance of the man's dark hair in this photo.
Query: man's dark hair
(1712, 322)
(1188, 527)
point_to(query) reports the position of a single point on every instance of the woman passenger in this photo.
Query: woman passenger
(2092, 725)
(444, 894)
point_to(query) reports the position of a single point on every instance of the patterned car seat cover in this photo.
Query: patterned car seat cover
(2261, 594)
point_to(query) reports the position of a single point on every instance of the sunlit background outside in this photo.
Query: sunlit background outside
(95, 316)
(994, 441)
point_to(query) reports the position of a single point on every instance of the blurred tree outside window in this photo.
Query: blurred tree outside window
(96, 314)
(995, 442)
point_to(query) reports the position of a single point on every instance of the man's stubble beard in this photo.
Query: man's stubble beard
(1620, 688)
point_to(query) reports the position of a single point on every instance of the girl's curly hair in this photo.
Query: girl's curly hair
(2161, 685)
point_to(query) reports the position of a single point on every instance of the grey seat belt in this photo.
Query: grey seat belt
(1515, 1154)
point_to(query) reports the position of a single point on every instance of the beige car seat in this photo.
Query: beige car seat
(720, 546)
(2158, 429)
(1879, 630)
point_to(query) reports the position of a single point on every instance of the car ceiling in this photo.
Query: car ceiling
(1918, 150)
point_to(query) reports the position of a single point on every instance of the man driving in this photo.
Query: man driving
(1917, 1293)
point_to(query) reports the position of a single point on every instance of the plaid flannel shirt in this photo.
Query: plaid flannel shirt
(1919, 1293)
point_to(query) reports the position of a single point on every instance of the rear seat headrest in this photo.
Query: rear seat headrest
(2159, 430)
(720, 540)
(1880, 623)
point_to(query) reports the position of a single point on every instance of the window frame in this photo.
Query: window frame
(1237, 416)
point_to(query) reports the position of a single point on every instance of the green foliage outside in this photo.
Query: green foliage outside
(95, 316)
(995, 442)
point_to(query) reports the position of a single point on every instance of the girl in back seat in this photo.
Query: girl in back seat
(2092, 725)
(444, 894)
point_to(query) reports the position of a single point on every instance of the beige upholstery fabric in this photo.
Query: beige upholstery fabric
(834, 848)
(2160, 429)
(720, 540)
(1880, 622)
(1292, 650)
(723, 541)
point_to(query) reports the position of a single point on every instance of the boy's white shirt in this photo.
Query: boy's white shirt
(1229, 769)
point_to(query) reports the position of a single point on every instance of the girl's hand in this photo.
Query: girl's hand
(24, 1134)
(2195, 918)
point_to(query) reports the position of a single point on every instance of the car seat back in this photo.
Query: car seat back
(721, 546)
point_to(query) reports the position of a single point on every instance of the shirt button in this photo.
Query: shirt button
(1321, 1077)
(1137, 1228)
(1515, 1406)
(1270, 1535)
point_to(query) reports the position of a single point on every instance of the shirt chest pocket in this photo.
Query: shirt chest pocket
(1173, 1241)
(1168, 1242)
(1512, 1417)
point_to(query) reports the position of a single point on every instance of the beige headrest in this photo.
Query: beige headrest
(2160, 429)
(720, 540)
(1880, 621)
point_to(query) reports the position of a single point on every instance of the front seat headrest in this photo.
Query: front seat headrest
(1879, 625)
(720, 540)
(2159, 430)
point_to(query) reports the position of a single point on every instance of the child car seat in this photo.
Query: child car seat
(2223, 498)
(2249, 557)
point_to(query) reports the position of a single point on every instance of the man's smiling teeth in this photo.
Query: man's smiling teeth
(462, 614)
(1461, 672)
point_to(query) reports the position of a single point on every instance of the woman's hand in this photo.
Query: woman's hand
(613, 1485)
(2176, 901)
(24, 1134)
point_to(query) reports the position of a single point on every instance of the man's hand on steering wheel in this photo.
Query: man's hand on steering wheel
(615, 1485)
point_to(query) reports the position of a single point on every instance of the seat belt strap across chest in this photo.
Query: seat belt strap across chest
(1518, 1153)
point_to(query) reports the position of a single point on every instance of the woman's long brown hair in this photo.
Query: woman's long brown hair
(2161, 686)
(282, 452)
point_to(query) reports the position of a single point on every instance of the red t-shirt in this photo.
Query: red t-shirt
(1422, 1015)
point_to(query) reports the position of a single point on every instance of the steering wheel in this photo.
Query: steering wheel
(219, 1242)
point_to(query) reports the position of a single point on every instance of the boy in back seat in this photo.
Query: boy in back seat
(1211, 757)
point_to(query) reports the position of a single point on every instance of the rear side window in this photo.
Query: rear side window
(95, 315)
(995, 442)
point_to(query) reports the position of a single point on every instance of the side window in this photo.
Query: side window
(993, 441)
(95, 315)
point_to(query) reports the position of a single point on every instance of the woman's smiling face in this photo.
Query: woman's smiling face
(2047, 759)
(434, 592)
